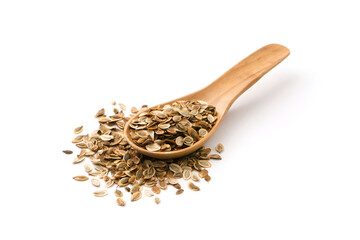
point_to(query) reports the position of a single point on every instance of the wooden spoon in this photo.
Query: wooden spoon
(223, 92)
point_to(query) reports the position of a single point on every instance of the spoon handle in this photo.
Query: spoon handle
(228, 87)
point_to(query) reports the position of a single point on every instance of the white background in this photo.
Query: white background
(290, 168)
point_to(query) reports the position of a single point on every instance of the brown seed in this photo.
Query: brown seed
(204, 163)
(95, 182)
(203, 173)
(113, 103)
(177, 186)
(180, 191)
(120, 202)
(219, 148)
(148, 193)
(175, 168)
(187, 174)
(100, 113)
(122, 106)
(135, 196)
(153, 147)
(134, 110)
(88, 168)
(193, 187)
(67, 151)
(155, 189)
(78, 139)
(118, 193)
(207, 178)
(157, 200)
(100, 193)
(81, 178)
(215, 156)
(194, 177)
(78, 160)
(78, 130)
(162, 185)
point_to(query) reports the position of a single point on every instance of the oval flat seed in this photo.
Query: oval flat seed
(180, 191)
(120, 202)
(193, 187)
(215, 156)
(195, 177)
(219, 148)
(175, 167)
(81, 178)
(135, 196)
(187, 174)
(95, 182)
(118, 193)
(157, 200)
(148, 193)
(155, 189)
(78, 130)
(204, 163)
(67, 151)
(100, 193)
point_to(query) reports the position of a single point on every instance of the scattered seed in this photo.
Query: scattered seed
(100, 193)
(67, 151)
(78, 130)
(215, 156)
(118, 193)
(194, 177)
(155, 189)
(180, 191)
(95, 182)
(148, 193)
(136, 196)
(193, 187)
(157, 200)
(81, 178)
(121, 202)
(219, 148)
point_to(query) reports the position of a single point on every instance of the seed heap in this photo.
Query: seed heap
(118, 164)
(173, 127)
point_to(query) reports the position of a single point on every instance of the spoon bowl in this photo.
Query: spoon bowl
(222, 93)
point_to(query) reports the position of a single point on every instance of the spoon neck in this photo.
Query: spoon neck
(228, 87)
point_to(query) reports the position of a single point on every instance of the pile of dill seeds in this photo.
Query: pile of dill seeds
(111, 163)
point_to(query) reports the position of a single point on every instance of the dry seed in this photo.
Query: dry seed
(122, 106)
(134, 110)
(136, 196)
(148, 193)
(78, 160)
(219, 148)
(118, 193)
(95, 182)
(153, 147)
(67, 151)
(175, 168)
(100, 113)
(204, 163)
(157, 200)
(193, 187)
(100, 193)
(155, 189)
(194, 177)
(180, 191)
(207, 178)
(78, 130)
(81, 178)
(88, 168)
(203, 173)
(121, 202)
(187, 174)
(113, 103)
(215, 156)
